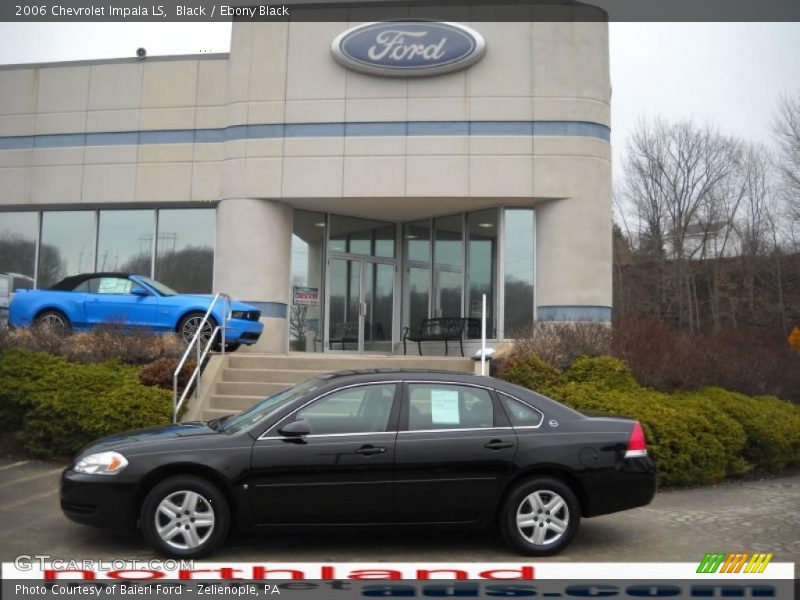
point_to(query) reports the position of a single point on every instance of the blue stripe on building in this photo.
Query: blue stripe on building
(310, 130)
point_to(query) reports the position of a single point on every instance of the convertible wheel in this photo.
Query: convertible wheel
(540, 517)
(191, 323)
(185, 517)
(55, 319)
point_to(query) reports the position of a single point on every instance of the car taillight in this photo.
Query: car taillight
(637, 446)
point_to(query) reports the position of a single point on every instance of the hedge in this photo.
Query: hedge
(61, 406)
(694, 438)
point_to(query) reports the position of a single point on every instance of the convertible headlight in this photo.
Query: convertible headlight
(239, 314)
(102, 463)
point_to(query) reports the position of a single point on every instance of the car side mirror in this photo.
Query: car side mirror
(296, 429)
(139, 291)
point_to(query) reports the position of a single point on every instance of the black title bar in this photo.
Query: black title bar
(374, 10)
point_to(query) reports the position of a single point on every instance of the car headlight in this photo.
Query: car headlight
(102, 463)
(239, 314)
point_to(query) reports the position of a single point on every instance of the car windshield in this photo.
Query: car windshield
(255, 414)
(162, 289)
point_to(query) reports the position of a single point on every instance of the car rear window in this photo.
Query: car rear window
(520, 414)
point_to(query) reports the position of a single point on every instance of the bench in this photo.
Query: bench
(344, 333)
(442, 329)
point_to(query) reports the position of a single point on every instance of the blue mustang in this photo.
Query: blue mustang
(80, 302)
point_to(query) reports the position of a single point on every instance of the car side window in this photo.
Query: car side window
(520, 414)
(112, 285)
(447, 406)
(362, 409)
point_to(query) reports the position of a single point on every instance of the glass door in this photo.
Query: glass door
(378, 299)
(361, 305)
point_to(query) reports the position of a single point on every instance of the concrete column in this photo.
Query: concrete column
(253, 260)
(573, 258)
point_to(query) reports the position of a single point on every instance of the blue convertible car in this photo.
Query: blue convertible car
(80, 302)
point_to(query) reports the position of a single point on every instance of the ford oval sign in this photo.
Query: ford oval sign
(408, 48)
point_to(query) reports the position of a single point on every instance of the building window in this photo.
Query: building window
(448, 263)
(185, 249)
(125, 241)
(482, 265)
(518, 269)
(18, 234)
(417, 240)
(350, 235)
(308, 252)
(67, 247)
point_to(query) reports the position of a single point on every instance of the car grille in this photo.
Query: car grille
(251, 315)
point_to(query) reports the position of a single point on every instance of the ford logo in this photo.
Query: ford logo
(408, 48)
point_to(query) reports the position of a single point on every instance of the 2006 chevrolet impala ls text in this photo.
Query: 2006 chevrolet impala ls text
(368, 448)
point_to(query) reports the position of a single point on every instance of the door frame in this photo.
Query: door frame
(362, 260)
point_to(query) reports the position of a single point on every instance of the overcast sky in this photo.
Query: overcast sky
(730, 74)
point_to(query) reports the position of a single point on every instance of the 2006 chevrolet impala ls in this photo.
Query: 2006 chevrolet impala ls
(368, 448)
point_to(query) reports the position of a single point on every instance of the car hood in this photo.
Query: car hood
(235, 304)
(151, 435)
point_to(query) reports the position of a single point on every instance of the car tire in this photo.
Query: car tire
(174, 532)
(188, 325)
(540, 516)
(55, 319)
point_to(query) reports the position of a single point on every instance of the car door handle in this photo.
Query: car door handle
(498, 445)
(370, 450)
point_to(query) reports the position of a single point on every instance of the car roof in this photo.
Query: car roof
(361, 375)
(543, 403)
(70, 283)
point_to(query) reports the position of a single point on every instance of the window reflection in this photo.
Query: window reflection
(448, 278)
(417, 240)
(18, 232)
(67, 246)
(125, 241)
(185, 249)
(362, 236)
(518, 269)
(481, 264)
(308, 249)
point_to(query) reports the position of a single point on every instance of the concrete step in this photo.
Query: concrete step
(247, 388)
(317, 362)
(232, 404)
(266, 376)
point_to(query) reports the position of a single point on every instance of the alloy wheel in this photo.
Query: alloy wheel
(184, 520)
(542, 517)
(190, 327)
(53, 320)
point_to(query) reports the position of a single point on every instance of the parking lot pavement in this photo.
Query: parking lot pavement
(680, 525)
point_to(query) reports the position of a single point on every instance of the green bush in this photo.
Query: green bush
(63, 423)
(62, 406)
(772, 427)
(531, 372)
(20, 379)
(683, 442)
(604, 371)
(694, 438)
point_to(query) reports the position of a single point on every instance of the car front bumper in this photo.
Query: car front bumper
(241, 331)
(98, 500)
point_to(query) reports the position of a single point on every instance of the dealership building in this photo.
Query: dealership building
(341, 176)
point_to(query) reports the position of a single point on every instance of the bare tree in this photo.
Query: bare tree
(786, 128)
(672, 173)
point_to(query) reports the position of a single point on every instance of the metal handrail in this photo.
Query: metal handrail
(226, 316)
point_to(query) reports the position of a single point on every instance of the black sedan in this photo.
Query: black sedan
(368, 448)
